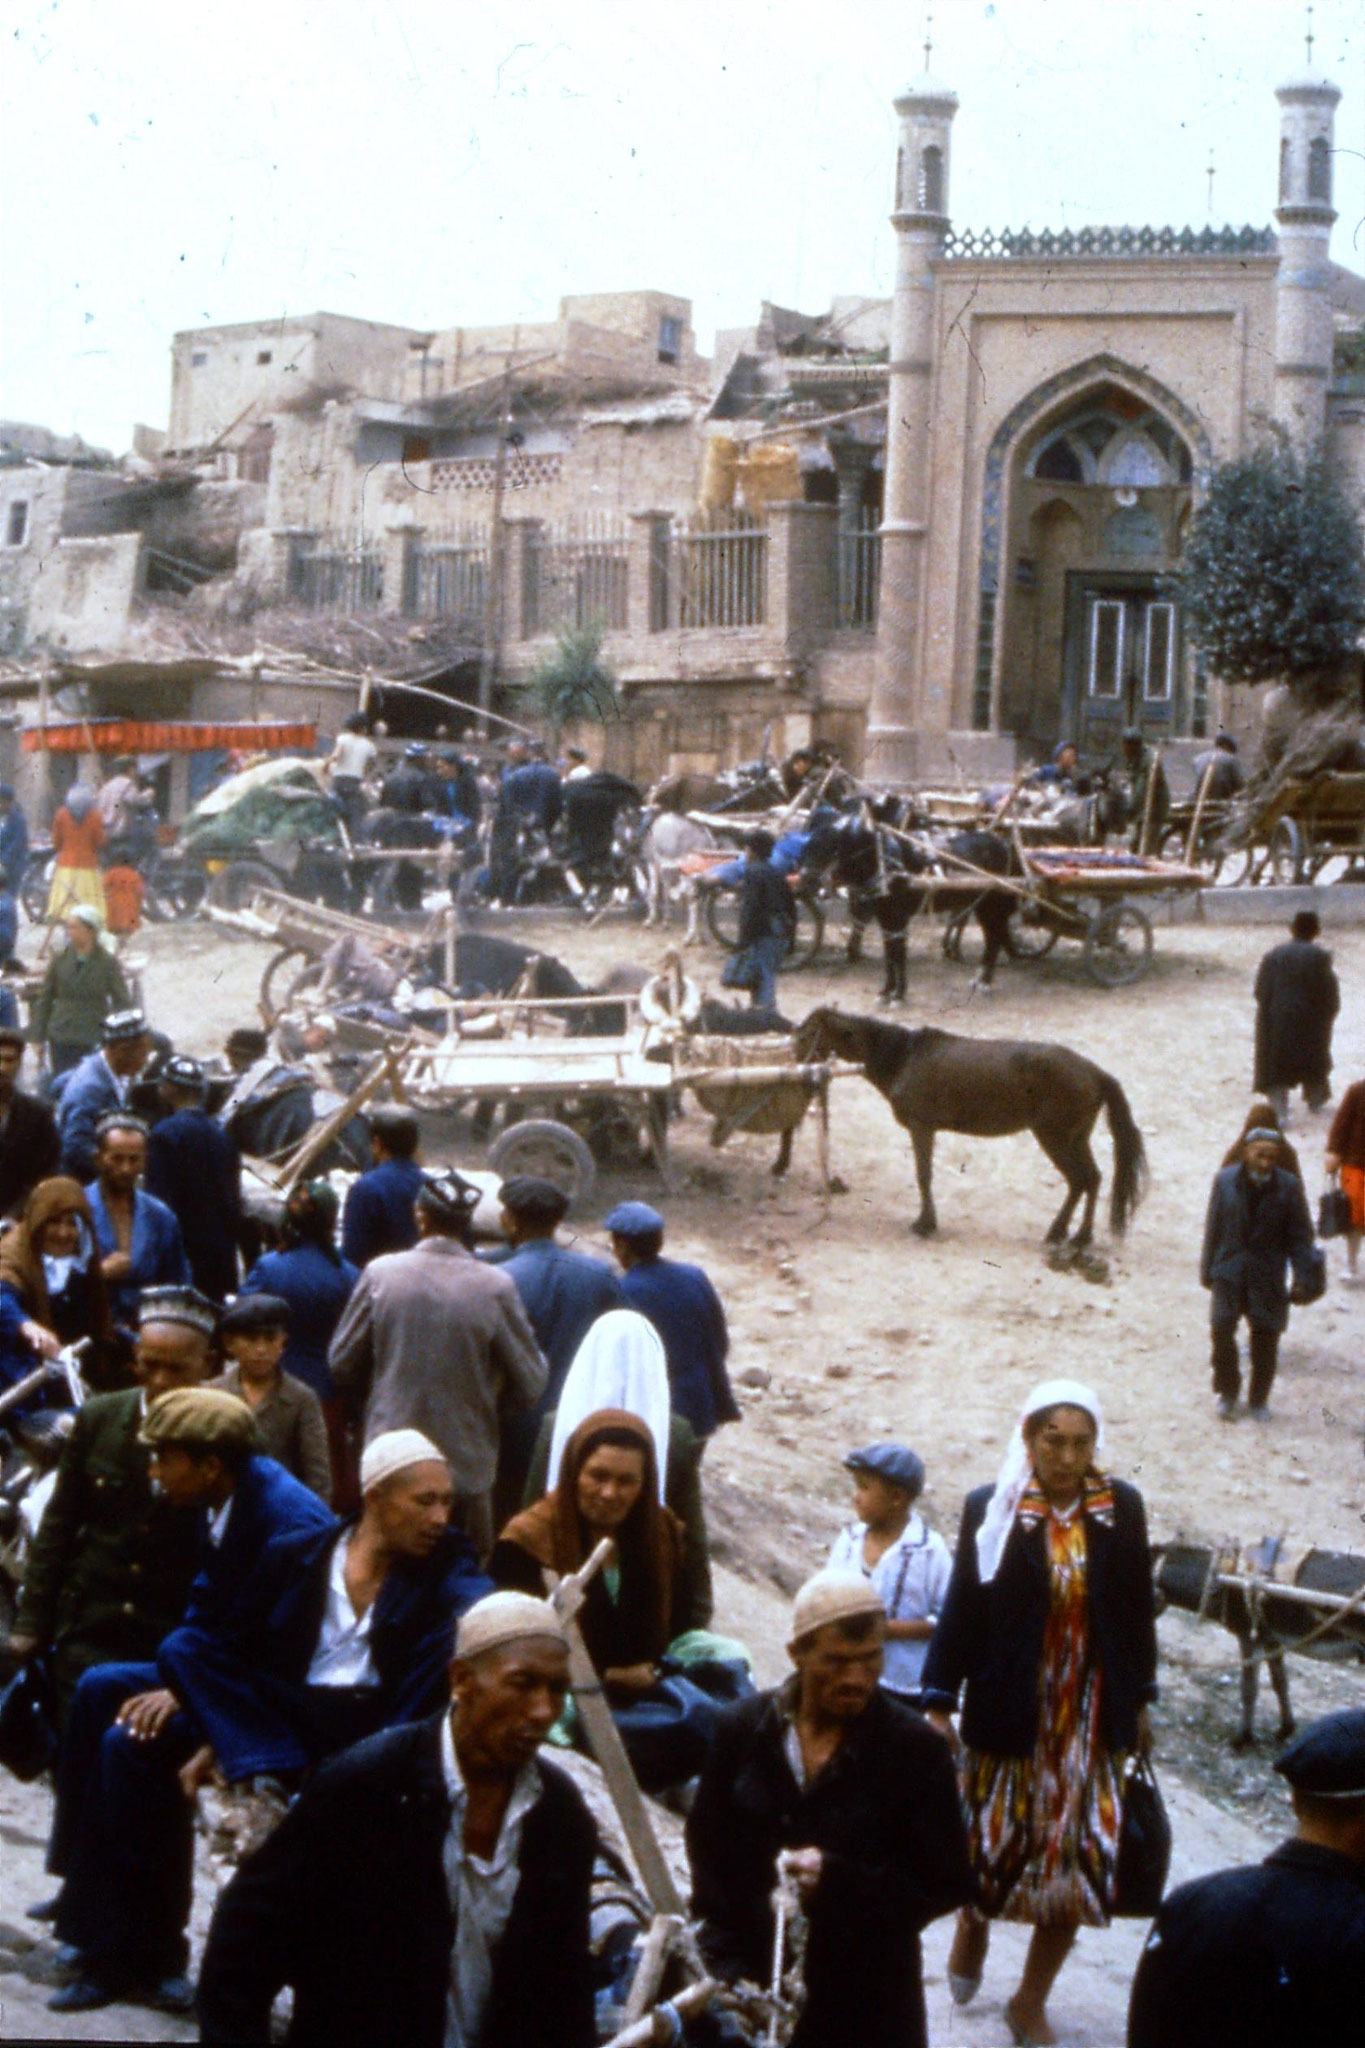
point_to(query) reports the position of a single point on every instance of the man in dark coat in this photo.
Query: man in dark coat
(13, 836)
(430, 1886)
(1272, 1956)
(112, 1561)
(685, 1310)
(1297, 999)
(122, 1837)
(767, 923)
(1258, 1225)
(29, 1146)
(379, 1215)
(563, 1293)
(348, 1631)
(860, 1795)
(194, 1167)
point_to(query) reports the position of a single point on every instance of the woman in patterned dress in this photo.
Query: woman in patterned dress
(1049, 1623)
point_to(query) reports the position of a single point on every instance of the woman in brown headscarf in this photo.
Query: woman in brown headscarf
(1261, 1117)
(608, 1486)
(51, 1286)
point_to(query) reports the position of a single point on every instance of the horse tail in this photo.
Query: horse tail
(1130, 1155)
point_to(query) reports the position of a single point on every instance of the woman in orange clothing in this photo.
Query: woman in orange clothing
(77, 835)
(1346, 1157)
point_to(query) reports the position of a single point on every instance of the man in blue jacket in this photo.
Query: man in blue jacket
(685, 1310)
(349, 1631)
(379, 1215)
(1258, 1226)
(193, 1166)
(122, 1838)
(99, 1084)
(138, 1237)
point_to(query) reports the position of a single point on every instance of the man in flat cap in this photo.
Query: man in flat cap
(844, 1784)
(193, 1166)
(1272, 1956)
(563, 1293)
(111, 1564)
(121, 1837)
(892, 1545)
(434, 1339)
(138, 1236)
(1257, 1228)
(379, 1215)
(685, 1309)
(99, 1084)
(349, 1630)
(430, 1886)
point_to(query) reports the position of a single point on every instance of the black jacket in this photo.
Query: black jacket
(884, 1812)
(347, 1902)
(194, 1168)
(766, 909)
(1247, 1247)
(991, 1636)
(1270, 1957)
(1297, 999)
(29, 1150)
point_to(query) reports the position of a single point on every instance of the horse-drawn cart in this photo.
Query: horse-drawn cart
(1309, 821)
(1085, 893)
(305, 933)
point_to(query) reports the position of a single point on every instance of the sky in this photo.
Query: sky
(433, 163)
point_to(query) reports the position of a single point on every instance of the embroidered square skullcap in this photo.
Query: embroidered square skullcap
(183, 1305)
(531, 1196)
(1263, 1135)
(395, 1451)
(503, 1618)
(833, 1596)
(122, 1025)
(121, 1120)
(207, 1417)
(448, 1194)
(183, 1072)
(1328, 1760)
(896, 1463)
(634, 1219)
(251, 1312)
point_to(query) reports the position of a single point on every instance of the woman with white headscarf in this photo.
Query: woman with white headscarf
(1049, 1625)
(621, 1364)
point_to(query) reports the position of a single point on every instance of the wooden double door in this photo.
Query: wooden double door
(1122, 661)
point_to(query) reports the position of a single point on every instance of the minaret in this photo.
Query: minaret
(1303, 307)
(921, 222)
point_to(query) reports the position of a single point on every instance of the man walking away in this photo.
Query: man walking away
(856, 1795)
(194, 1167)
(1258, 1224)
(431, 1886)
(434, 1339)
(29, 1145)
(1297, 999)
(685, 1310)
(1273, 1956)
(378, 1216)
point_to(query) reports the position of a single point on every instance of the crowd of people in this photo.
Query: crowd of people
(302, 1533)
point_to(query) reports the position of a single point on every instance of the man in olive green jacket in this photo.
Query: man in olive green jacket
(83, 984)
(112, 1562)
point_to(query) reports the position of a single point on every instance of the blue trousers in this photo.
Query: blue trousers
(755, 968)
(122, 1835)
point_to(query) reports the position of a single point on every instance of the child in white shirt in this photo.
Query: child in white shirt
(907, 1562)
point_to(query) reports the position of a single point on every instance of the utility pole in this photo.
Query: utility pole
(491, 654)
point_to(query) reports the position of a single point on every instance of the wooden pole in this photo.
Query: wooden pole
(1197, 820)
(658, 2027)
(1150, 805)
(491, 653)
(649, 1971)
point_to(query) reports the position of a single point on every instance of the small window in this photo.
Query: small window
(16, 523)
(931, 180)
(1158, 653)
(1059, 464)
(1107, 620)
(1319, 168)
(264, 356)
(198, 359)
(416, 448)
(670, 338)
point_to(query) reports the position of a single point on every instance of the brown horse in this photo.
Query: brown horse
(989, 1088)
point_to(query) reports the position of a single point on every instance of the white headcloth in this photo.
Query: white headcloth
(1014, 1472)
(620, 1364)
(395, 1451)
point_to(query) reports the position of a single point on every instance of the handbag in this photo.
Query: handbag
(1334, 1212)
(1312, 1284)
(28, 1721)
(1144, 1856)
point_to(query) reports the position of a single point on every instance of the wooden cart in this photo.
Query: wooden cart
(304, 933)
(1085, 893)
(1310, 820)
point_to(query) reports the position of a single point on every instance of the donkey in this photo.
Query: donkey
(1265, 1627)
(989, 1088)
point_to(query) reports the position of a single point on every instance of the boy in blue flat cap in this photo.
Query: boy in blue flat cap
(892, 1545)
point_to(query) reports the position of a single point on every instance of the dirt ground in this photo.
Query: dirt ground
(865, 1331)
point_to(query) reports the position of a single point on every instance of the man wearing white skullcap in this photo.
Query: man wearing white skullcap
(857, 1798)
(433, 1886)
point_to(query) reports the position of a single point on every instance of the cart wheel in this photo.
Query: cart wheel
(233, 887)
(279, 974)
(722, 917)
(1207, 858)
(549, 1149)
(1118, 945)
(306, 982)
(1286, 853)
(1033, 937)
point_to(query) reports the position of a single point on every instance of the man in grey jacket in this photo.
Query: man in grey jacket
(1258, 1225)
(433, 1339)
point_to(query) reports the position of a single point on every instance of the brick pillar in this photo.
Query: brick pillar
(651, 602)
(518, 569)
(801, 572)
(398, 547)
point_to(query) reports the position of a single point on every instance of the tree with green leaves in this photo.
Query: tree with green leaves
(1274, 573)
(573, 685)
